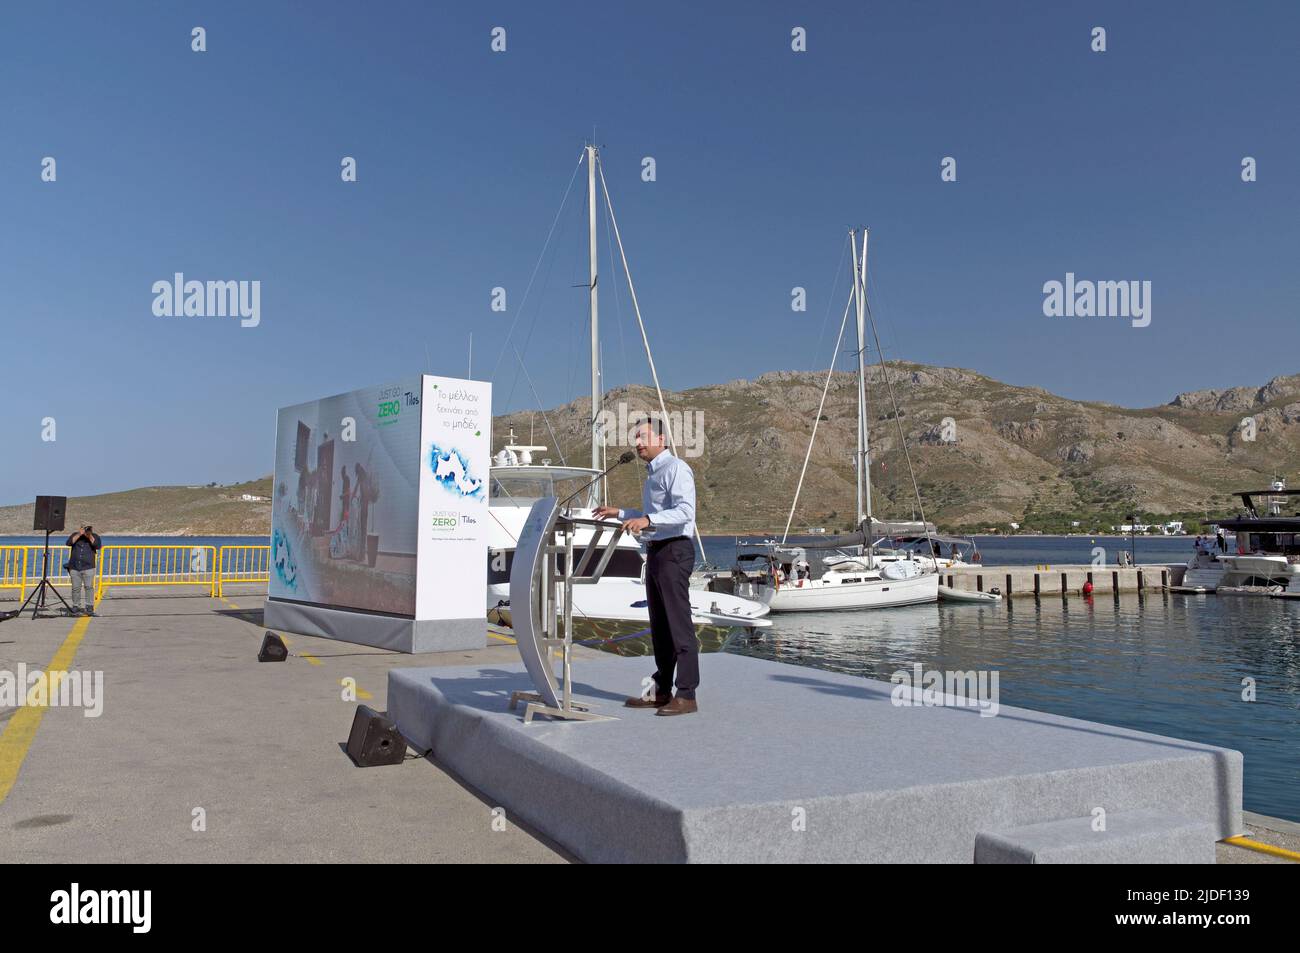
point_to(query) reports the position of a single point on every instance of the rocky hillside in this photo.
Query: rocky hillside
(985, 453)
(161, 511)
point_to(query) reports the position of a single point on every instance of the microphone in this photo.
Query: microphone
(627, 456)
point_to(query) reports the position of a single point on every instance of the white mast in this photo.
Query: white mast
(864, 447)
(857, 459)
(596, 435)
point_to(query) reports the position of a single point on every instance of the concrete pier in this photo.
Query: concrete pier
(191, 719)
(1062, 580)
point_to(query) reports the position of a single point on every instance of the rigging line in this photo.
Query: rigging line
(564, 201)
(571, 355)
(578, 281)
(844, 250)
(816, 420)
(622, 340)
(902, 438)
(545, 418)
(891, 327)
(532, 324)
(631, 288)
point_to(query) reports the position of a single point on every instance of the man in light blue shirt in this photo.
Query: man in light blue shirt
(667, 520)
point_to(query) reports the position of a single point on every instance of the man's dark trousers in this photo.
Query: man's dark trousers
(669, 563)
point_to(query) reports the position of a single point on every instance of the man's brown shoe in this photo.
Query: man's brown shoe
(679, 706)
(637, 701)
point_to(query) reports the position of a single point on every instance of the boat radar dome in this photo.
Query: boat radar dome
(516, 455)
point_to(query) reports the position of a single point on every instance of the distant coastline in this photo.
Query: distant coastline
(1019, 460)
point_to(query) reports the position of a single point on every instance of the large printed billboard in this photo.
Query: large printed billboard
(381, 500)
(346, 495)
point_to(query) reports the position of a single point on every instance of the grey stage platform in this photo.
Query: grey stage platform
(774, 742)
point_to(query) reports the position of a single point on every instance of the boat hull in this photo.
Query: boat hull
(626, 600)
(619, 596)
(961, 595)
(871, 594)
(1259, 570)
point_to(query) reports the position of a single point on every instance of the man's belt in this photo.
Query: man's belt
(658, 543)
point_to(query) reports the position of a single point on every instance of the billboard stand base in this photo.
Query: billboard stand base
(394, 633)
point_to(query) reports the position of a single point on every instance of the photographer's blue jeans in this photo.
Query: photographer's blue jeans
(83, 579)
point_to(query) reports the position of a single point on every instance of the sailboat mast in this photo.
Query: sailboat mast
(862, 382)
(863, 501)
(595, 325)
(857, 458)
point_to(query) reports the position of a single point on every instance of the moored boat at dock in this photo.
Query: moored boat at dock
(859, 574)
(1267, 551)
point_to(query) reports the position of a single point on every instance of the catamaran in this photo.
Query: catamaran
(519, 476)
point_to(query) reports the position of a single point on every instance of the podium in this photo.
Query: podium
(542, 578)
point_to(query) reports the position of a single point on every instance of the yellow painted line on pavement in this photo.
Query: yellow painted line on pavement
(361, 692)
(21, 731)
(1263, 848)
(503, 638)
(287, 641)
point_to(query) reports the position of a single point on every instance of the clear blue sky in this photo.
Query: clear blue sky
(225, 165)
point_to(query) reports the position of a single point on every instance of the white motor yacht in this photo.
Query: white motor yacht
(1266, 554)
(620, 595)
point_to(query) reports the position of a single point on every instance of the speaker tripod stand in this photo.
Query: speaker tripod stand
(44, 586)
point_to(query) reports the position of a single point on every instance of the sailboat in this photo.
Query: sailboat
(857, 575)
(618, 604)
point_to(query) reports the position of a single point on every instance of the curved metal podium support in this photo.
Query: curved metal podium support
(542, 578)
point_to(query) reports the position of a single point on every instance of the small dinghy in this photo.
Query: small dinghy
(948, 594)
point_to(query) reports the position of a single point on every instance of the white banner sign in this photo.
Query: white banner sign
(455, 454)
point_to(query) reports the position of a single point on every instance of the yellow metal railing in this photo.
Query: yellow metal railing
(150, 565)
(242, 564)
(13, 569)
(141, 565)
(20, 567)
